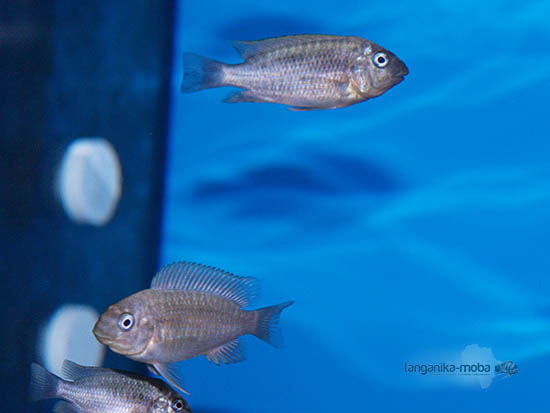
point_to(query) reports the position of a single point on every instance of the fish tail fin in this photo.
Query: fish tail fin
(267, 328)
(200, 73)
(44, 385)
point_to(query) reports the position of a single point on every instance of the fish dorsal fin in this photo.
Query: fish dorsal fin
(231, 352)
(191, 276)
(73, 371)
(247, 49)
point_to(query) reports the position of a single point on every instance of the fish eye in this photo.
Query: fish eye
(177, 405)
(126, 321)
(380, 59)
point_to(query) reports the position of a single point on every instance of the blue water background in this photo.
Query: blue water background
(406, 228)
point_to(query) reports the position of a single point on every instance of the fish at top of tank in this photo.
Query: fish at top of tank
(303, 71)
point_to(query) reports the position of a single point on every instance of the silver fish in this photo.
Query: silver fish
(190, 310)
(94, 389)
(304, 71)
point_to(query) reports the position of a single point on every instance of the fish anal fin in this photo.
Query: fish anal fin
(171, 373)
(231, 352)
(66, 407)
(245, 96)
(189, 276)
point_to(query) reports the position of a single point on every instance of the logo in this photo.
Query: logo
(476, 364)
(449, 369)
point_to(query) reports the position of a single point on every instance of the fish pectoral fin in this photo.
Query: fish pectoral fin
(171, 373)
(244, 96)
(153, 370)
(231, 352)
(66, 407)
(304, 108)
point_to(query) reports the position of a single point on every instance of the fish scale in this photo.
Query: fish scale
(204, 319)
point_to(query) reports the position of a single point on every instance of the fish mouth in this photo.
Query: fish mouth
(402, 71)
(398, 79)
(101, 336)
(115, 346)
(399, 76)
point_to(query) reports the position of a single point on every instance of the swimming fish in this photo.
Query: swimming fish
(190, 310)
(303, 71)
(95, 389)
(507, 368)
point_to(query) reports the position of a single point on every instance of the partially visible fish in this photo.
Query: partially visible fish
(94, 389)
(190, 310)
(304, 71)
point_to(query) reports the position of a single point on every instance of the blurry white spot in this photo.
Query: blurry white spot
(90, 181)
(68, 335)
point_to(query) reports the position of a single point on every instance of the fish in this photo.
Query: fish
(506, 368)
(190, 310)
(305, 72)
(96, 389)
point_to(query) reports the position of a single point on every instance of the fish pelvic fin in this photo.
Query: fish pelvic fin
(231, 352)
(44, 385)
(172, 374)
(301, 109)
(201, 73)
(153, 370)
(267, 328)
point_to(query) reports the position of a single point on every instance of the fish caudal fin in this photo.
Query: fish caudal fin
(44, 385)
(267, 328)
(200, 73)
